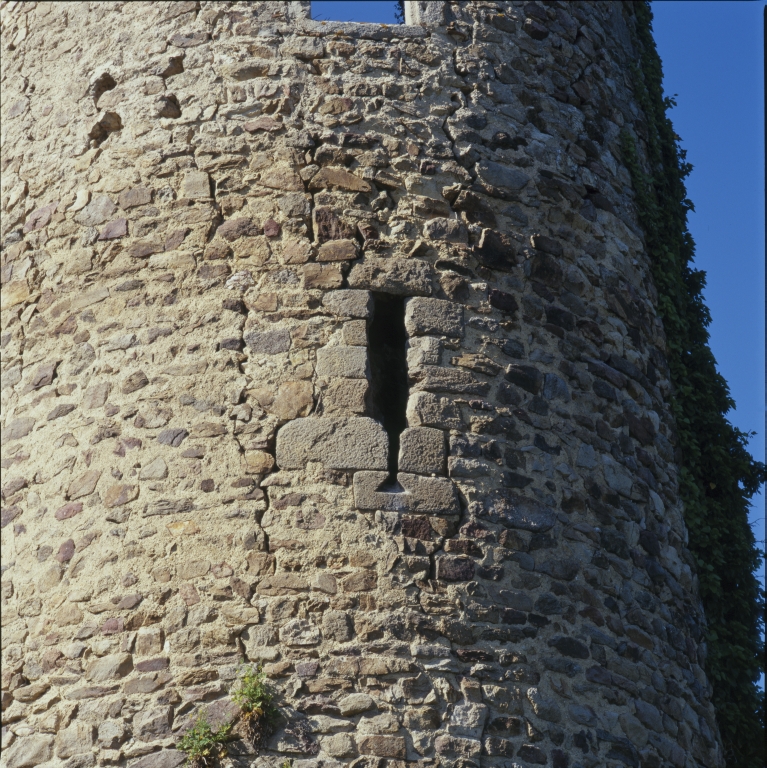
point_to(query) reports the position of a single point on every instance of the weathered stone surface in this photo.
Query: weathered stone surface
(337, 250)
(498, 177)
(29, 751)
(84, 485)
(433, 316)
(196, 185)
(422, 451)
(429, 410)
(421, 494)
(268, 342)
(338, 178)
(111, 667)
(520, 512)
(348, 303)
(353, 443)
(403, 277)
(99, 210)
(343, 362)
(153, 724)
(77, 739)
(167, 758)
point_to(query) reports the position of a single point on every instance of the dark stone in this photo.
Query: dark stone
(172, 437)
(497, 747)
(515, 480)
(640, 428)
(472, 655)
(532, 754)
(66, 551)
(513, 348)
(9, 514)
(560, 317)
(502, 300)
(235, 228)
(603, 389)
(416, 528)
(476, 210)
(496, 250)
(525, 376)
(515, 511)
(327, 226)
(114, 230)
(649, 542)
(565, 569)
(235, 344)
(130, 285)
(512, 616)
(546, 269)
(455, 568)
(569, 646)
(616, 378)
(541, 443)
(615, 543)
(175, 238)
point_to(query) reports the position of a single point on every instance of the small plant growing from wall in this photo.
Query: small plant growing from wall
(255, 699)
(204, 746)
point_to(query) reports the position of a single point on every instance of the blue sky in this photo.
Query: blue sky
(712, 60)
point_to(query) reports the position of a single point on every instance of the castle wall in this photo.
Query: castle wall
(203, 204)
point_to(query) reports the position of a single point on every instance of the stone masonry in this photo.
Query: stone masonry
(201, 203)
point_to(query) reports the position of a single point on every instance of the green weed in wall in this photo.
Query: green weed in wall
(718, 475)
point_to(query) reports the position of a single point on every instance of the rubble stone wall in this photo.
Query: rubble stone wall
(201, 204)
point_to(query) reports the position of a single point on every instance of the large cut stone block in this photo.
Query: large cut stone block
(404, 277)
(422, 451)
(421, 494)
(349, 303)
(428, 410)
(425, 317)
(342, 362)
(353, 443)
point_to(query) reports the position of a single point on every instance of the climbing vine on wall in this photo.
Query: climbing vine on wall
(718, 475)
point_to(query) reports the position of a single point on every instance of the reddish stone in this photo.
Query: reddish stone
(114, 230)
(271, 228)
(70, 509)
(262, 124)
(66, 551)
(112, 626)
(40, 218)
(152, 665)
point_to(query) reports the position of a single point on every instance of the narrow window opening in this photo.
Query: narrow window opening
(387, 348)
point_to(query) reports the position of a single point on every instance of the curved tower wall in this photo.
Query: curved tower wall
(203, 207)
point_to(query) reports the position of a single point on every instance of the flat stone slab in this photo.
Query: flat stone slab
(421, 494)
(342, 362)
(351, 443)
(422, 451)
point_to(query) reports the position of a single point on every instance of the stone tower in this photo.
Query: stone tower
(333, 348)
